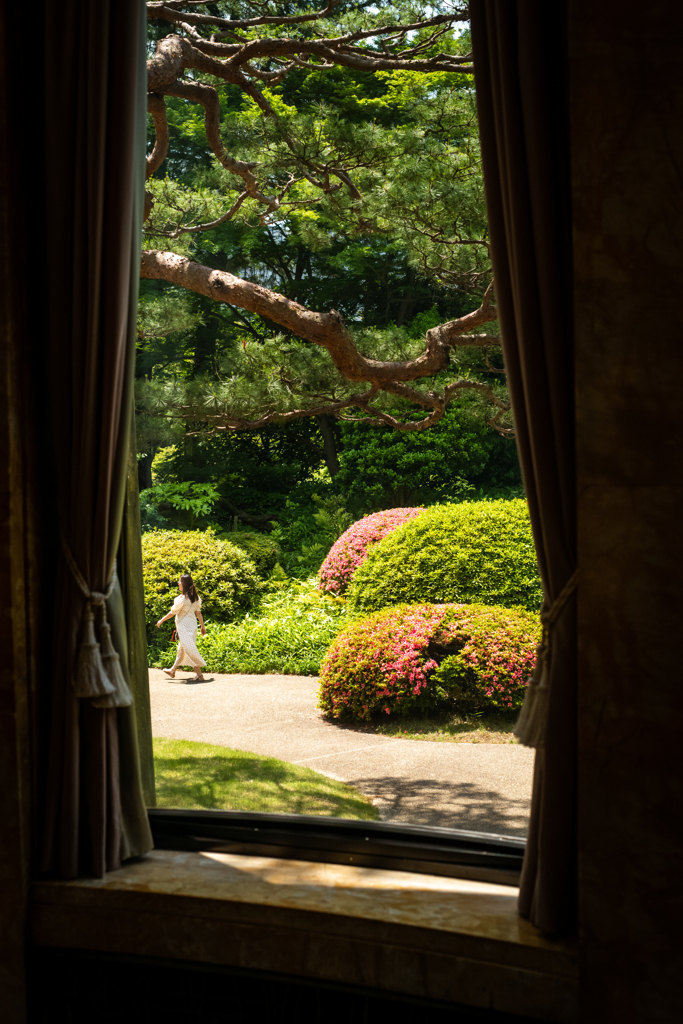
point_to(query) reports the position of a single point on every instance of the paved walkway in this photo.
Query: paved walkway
(481, 786)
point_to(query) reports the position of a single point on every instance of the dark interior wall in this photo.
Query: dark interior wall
(23, 558)
(627, 144)
(64, 985)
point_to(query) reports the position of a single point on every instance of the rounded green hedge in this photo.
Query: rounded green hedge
(480, 551)
(264, 552)
(417, 658)
(226, 578)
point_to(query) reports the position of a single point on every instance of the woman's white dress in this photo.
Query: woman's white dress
(186, 624)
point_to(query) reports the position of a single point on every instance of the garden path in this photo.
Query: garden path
(485, 787)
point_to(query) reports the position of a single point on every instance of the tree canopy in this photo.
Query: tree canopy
(315, 219)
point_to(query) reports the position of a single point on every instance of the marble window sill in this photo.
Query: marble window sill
(442, 938)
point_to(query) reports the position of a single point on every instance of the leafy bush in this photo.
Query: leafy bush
(263, 551)
(150, 516)
(289, 633)
(193, 501)
(419, 657)
(451, 461)
(307, 530)
(479, 551)
(351, 550)
(226, 577)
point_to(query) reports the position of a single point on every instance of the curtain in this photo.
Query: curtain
(94, 164)
(519, 60)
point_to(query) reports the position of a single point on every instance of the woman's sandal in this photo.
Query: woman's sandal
(170, 672)
(199, 678)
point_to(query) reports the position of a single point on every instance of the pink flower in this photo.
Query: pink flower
(351, 550)
(380, 662)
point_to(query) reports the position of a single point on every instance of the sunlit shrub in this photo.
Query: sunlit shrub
(352, 548)
(289, 633)
(416, 658)
(225, 576)
(263, 551)
(478, 551)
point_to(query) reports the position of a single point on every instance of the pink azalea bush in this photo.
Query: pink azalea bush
(351, 550)
(418, 657)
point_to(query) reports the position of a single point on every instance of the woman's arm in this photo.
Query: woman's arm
(165, 619)
(201, 622)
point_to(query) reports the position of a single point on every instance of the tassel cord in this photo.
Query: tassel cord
(99, 675)
(531, 724)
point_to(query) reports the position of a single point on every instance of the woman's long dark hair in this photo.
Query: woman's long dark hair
(189, 589)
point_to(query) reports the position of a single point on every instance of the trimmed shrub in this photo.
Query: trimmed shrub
(351, 550)
(416, 658)
(264, 552)
(226, 577)
(479, 551)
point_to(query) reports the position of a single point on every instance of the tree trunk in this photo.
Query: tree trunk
(145, 471)
(326, 426)
(408, 300)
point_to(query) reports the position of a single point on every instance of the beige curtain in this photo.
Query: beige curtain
(94, 165)
(519, 61)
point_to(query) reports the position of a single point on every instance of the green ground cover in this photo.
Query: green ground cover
(201, 775)
(289, 633)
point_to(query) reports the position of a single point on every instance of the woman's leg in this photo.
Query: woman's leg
(172, 670)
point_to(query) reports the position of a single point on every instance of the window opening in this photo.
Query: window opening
(341, 589)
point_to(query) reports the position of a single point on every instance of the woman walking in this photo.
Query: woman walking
(187, 609)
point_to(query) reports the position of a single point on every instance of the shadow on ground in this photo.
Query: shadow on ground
(461, 805)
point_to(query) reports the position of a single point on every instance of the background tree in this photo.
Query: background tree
(316, 260)
(396, 160)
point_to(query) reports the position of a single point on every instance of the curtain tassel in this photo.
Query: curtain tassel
(91, 678)
(531, 725)
(99, 676)
(119, 695)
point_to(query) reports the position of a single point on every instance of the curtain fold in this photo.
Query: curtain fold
(132, 589)
(95, 152)
(518, 49)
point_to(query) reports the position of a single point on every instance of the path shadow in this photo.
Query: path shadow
(189, 680)
(461, 805)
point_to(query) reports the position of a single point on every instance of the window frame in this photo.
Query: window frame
(455, 853)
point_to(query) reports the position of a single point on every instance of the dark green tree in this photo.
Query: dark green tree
(322, 179)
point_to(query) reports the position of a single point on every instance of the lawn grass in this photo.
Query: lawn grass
(493, 727)
(201, 775)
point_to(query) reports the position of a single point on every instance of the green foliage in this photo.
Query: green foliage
(289, 633)
(151, 517)
(331, 517)
(263, 550)
(226, 578)
(451, 461)
(421, 658)
(196, 500)
(164, 314)
(393, 264)
(473, 552)
(256, 471)
(402, 249)
(309, 527)
(202, 775)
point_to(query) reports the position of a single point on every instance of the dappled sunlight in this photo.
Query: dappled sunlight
(199, 775)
